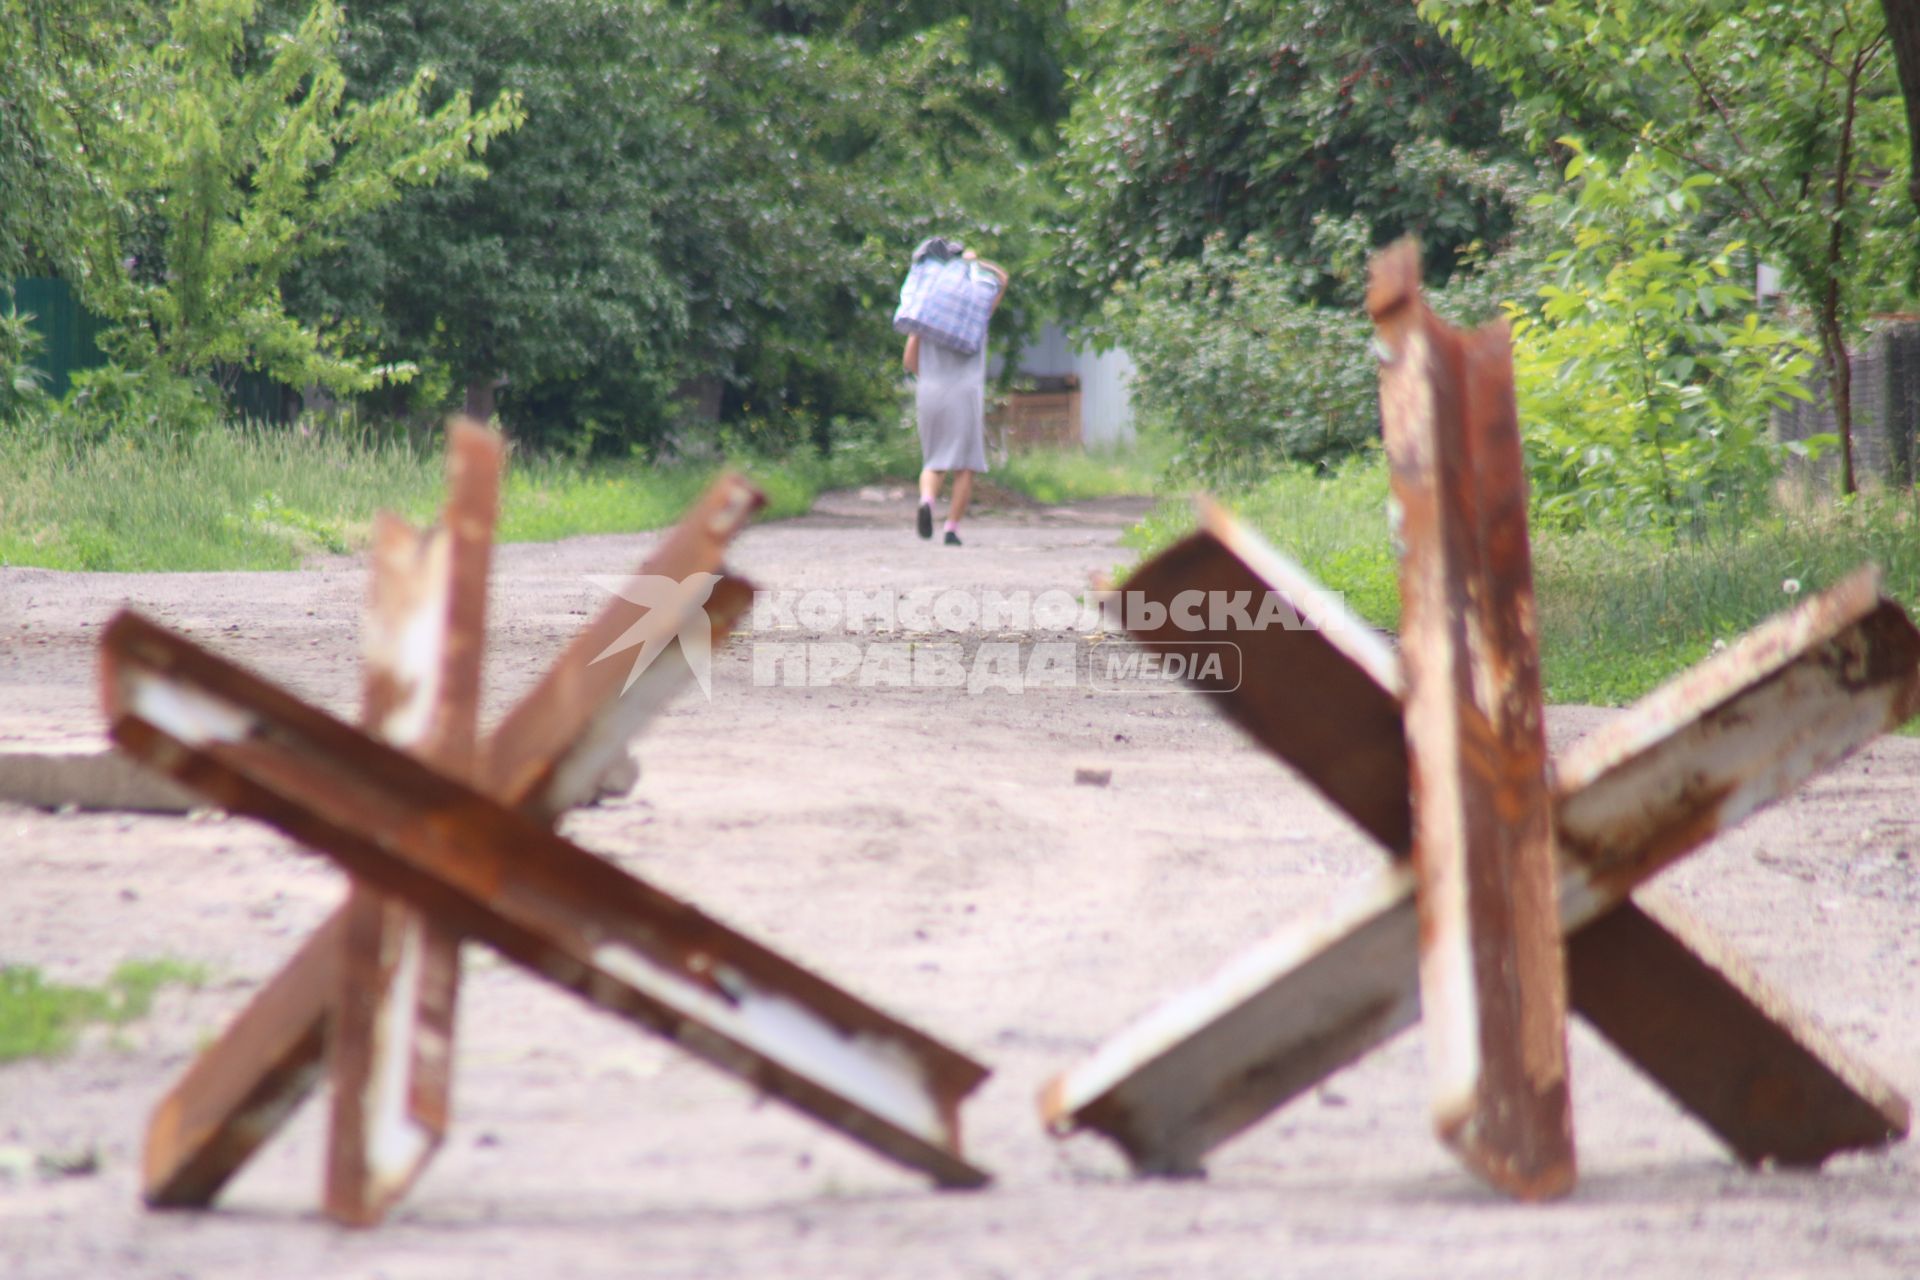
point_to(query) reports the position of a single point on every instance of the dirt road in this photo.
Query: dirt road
(929, 848)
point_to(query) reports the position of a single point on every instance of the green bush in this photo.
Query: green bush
(1241, 372)
(1643, 374)
(1238, 362)
(150, 403)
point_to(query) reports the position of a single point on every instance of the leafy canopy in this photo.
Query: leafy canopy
(1792, 109)
(1644, 376)
(223, 171)
(705, 201)
(1234, 118)
(48, 50)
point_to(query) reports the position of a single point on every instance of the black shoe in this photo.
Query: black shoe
(926, 520)
(952, 539)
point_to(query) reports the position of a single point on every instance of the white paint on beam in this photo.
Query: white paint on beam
(394, 1140)
(185, 714)
(1235, 987)
(880, 1075)
(410, 649)
(603, 742)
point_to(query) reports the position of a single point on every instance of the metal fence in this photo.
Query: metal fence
(68, 331)
(69, 336)
(1886, 412)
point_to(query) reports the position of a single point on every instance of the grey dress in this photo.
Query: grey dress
(951, 399)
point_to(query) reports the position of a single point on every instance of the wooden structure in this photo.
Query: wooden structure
(1042, 415)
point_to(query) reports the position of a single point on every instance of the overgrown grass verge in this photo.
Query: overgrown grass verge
(239, 497)
(1618, 614)
(547, 499)
(1075, 475)
(40, 1018)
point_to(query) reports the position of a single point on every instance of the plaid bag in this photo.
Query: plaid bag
(948, 300)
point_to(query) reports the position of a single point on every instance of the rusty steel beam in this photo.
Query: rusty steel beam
(426, 629)
(1790, 699)
(1217, 1057)
(501, 878)
(1318, 688)
(1725, 1045)
(242, 1088)
(555, 745)
(1793, 698)
(1492, 973)
(188, 1163)
(391, 1047)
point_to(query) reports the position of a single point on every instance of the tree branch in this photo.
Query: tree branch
(1726, 118)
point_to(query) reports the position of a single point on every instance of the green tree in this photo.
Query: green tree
(1793, 110)
(893, 143)
(225, 172)
(701, 204)
(1222, 117)
(548, 269)
(39, 176)
(1016, 53)
(1240, 370)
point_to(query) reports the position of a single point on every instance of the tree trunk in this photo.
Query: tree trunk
(1903, 32)
(1833, 336)
(1840, 389)
(480, 398)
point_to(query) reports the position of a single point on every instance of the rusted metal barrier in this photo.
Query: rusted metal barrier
(453, 839)
(1492, 976)
(1791, 699)
(391, 1047)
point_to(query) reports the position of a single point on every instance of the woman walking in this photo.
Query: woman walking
(950, 400)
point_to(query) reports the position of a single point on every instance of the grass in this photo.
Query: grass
(225, 499)
(544, 499)
(1618, 615)
(1054, 476)
(40, 1018)
(240, 497)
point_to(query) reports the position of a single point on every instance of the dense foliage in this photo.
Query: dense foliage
(1203, 118)
(692, 209)
(1644, 376)
(50, 100)
(1792, 108)
(1228, 167)
(1647, 369)
(210, 169)
(677, 225)
(685, 210)
(227, 170)
(1232, 362)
